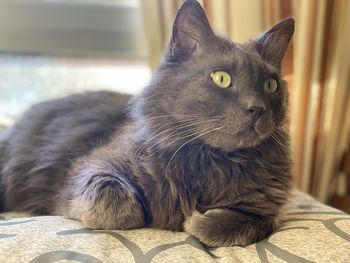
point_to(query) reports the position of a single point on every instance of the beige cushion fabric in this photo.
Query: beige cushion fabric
(311, 232)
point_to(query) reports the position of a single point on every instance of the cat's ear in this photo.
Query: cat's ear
(273, 44)
(190, 31)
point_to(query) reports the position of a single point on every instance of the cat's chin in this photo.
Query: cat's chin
(263, 128)
(242, 140)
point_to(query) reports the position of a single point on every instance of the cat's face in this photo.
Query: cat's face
(209, 89)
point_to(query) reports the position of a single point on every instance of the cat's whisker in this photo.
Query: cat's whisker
(282, 135)
(282, 132)
(172, 115)
(199, 149)
(275, 138)
(183, 122)
(188, 133)
(215, 139)
(178, 123)
(160, 128)
(180, 117)
(173, 129)
(279, 142)
(284, 129)
(202, 134)
(210, 145)
(184, 134)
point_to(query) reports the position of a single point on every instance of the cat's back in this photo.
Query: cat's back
(79, 121)
(48, 137)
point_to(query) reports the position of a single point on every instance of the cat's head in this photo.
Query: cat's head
(210, 89)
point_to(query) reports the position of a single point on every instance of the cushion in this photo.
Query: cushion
(311, 232)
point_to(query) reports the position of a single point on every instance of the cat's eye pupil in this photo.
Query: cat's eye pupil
(221, 79)
(270, 86)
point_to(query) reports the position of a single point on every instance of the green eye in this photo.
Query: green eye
(270, 86)
(221, 79)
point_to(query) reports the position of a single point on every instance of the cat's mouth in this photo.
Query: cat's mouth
(252, 135)
(263, 128)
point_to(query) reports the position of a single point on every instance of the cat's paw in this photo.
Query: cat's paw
(224, 227)
(106, 218)
(108, 203)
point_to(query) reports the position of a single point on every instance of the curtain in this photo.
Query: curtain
(320, 103)
(334, 124)
(238, 19)
(316, 66)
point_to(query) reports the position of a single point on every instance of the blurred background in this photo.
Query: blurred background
(51, 48)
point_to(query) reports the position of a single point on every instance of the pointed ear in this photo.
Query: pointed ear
(190, 31)
(273, 44)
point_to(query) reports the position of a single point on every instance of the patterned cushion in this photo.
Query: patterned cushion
(311, 232)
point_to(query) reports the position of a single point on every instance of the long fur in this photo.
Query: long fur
(182, 155)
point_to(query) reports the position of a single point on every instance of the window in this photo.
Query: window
(53, 48)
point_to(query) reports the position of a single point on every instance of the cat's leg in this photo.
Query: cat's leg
(104, 199)
(225, 227)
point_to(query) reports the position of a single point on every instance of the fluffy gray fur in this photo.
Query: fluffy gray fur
(182, 155)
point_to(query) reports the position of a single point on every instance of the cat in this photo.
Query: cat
(201, 149)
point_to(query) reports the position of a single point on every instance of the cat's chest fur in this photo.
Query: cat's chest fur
(200, 178)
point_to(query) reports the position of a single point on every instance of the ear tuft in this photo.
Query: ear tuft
(190, 31)
(273, 44)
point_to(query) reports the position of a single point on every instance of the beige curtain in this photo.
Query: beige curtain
(334, 126)
(238, 19)
(320, 113)
(316, 67)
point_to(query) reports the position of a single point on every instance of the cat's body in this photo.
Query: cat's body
(36, 154)
(184, 154)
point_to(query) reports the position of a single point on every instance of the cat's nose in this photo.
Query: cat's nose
(256, 111)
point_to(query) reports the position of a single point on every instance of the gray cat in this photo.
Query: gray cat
(201, 149)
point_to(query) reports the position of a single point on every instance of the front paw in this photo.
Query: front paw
(107, 202)
(224, 227)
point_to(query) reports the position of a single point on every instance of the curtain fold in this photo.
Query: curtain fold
(310, 17)
(334, 113)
